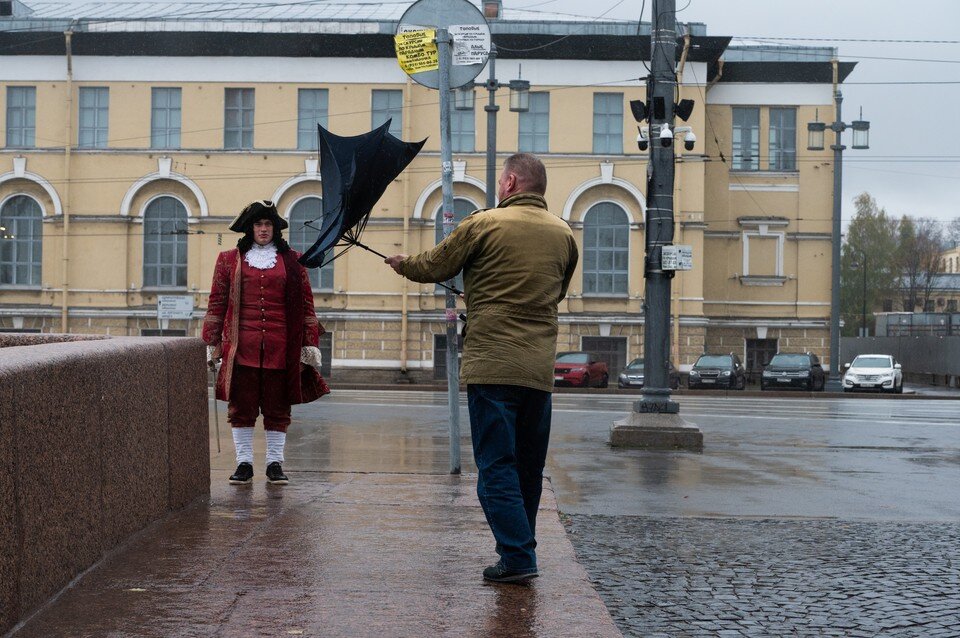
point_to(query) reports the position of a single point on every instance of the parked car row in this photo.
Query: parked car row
(801, 370)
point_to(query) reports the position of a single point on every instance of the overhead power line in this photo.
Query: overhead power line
(819, 39)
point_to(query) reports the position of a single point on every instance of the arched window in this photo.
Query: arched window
(21, 241)
(165, 244)
(461, 208)
(606, 250)
(310, 209)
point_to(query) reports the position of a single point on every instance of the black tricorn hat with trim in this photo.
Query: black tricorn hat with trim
(263, 209)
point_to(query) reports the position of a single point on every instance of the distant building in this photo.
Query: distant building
(131, 134)
(950, 260)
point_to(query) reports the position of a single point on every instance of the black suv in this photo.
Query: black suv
(718, 371)
(785, 370)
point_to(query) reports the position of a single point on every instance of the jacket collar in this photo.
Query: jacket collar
(524, 199)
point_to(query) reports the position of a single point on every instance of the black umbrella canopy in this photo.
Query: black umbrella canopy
(354, 171)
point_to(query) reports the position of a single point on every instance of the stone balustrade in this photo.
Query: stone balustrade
(98, 438)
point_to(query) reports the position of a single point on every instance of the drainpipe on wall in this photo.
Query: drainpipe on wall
(68, 134)
(716, 79)
(405, 206)
(683, 58)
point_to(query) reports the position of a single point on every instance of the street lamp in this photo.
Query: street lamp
(519, 103)
(464, 97)
(861, 137)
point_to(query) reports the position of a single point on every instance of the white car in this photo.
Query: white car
(873, 372)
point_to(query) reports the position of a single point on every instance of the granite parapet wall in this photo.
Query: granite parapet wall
(99, 438)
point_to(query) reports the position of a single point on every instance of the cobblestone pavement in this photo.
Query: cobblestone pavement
(682, 577)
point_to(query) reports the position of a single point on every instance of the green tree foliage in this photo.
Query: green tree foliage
(868, 257)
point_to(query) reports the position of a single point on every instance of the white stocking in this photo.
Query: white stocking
(243, 441)
(275, 443)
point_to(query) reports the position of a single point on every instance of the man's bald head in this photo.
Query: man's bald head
(522, 173)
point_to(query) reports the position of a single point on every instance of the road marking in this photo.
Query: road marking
(851, 418)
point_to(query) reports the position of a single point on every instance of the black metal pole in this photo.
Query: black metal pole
(834, 383)
(659, 223)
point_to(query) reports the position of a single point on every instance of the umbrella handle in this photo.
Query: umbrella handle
(358, 244)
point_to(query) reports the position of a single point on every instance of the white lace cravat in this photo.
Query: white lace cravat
(261, 257)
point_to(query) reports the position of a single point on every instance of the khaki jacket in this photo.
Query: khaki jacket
(517, 260)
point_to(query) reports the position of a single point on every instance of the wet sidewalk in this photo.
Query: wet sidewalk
(331, 554)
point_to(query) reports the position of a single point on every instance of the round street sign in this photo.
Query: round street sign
(417, 53)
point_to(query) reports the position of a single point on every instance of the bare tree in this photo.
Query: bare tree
(920, 244)
(953, 233)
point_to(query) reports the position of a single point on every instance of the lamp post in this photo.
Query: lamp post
(815, 141)
(519, 103)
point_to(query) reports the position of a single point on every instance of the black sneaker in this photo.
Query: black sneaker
(275, 475)
(500, 574)
(243, 475)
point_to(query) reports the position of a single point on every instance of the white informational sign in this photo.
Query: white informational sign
(174, 306)
(677, 257)
(471, 43)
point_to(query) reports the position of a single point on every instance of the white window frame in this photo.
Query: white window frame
(142, 219)
(583, 248)
(165, 133)
(26, 131)
(765, 232)
(328, 268)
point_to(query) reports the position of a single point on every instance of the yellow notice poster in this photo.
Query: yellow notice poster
(417, 51)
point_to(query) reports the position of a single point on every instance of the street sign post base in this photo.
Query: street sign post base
(833, 385)
(656, 431)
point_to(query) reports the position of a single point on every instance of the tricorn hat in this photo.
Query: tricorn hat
(263, 209)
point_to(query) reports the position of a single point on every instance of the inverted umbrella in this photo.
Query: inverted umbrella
(354, 171)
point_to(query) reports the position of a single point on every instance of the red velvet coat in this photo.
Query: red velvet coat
(221, 325)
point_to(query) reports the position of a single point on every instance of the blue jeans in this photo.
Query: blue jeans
(510, 428)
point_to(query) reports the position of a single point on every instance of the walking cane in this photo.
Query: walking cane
(216, 417)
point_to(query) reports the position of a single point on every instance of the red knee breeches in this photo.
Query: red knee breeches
(254, 391)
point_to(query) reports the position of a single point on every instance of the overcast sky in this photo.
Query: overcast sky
(917, 123)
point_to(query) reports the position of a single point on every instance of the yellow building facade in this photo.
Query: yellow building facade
(129, 144)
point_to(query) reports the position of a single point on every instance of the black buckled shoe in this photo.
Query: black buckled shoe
(275, 475)
(500, 574)
(243, 475)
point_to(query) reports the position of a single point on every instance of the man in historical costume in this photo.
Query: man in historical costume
(261, 323)
(517, 261)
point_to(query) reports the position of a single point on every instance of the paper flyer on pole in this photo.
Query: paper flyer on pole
(471, 43)
(417, 51)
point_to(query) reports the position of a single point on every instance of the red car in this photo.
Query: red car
(580, 369)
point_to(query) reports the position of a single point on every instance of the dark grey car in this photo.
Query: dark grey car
(785, 370)
(632, 376)
(718, 371)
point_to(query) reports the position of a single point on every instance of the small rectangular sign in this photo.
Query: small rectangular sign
(677, 257)
(471, 43)
(417, 51)
(174, 306)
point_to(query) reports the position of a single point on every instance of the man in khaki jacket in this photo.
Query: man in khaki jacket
(517, 260)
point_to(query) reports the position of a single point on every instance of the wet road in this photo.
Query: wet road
(850, 458)
(827, 517)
